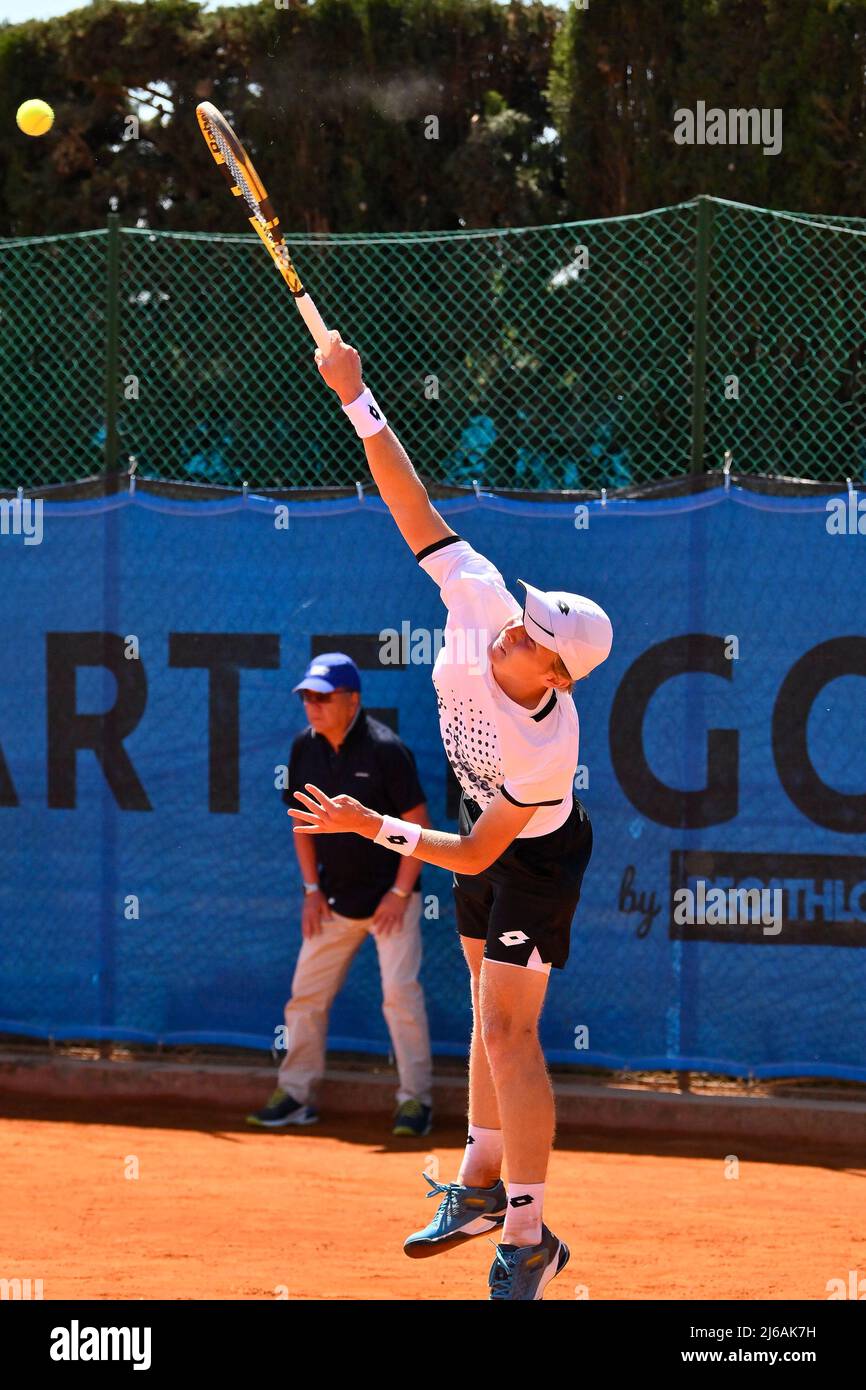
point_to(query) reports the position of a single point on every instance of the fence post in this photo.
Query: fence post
(112, 447)
(699, 363)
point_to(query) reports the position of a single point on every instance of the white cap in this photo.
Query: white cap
(573, 626)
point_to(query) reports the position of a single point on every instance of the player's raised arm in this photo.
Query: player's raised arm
(399, 486)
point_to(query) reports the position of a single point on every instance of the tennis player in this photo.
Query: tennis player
(503, 682)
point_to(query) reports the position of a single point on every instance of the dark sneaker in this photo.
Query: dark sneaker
(464, 1212)
(413, 1120)
(281, 1110)
(522, 1272)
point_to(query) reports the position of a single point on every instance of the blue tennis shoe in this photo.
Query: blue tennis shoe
(464, 1212)
(522, 1272)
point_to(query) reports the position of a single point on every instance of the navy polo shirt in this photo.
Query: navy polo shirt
(375, 766)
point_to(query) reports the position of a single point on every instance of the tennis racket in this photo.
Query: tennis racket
(245, 183)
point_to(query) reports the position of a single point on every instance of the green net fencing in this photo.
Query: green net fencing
(785, 385)
(587, 355)
(52, 359)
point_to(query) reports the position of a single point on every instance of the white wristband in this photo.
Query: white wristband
(399, 835)
(366, 415)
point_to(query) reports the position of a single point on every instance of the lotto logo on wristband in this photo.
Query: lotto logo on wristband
(366, 414)
(399, 835)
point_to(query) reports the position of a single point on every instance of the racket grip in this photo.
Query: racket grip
(314, 321)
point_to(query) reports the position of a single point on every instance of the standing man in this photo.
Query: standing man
(353, 888)
(510, 730)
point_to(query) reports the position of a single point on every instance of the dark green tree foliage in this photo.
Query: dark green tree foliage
(612, 91)
(333, 99)
(502, 174)
(623, 68)
(816, 71)
(725, 45)
(543, 114)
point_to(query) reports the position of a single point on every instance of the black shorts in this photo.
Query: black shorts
(525, 901)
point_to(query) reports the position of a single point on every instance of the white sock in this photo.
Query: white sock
(523, 1218)
(482, 1155)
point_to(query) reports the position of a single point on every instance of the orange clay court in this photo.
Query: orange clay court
(222, 1212)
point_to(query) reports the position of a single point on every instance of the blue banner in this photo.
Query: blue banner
(149, 887)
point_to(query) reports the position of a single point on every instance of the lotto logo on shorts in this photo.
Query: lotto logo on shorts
(513, 938)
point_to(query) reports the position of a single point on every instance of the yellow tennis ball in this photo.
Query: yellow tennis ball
(34, 117)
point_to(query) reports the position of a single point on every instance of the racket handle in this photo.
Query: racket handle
(313, 319)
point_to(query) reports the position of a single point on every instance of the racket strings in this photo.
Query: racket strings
(239, 175)
(249, 197)
(240, 179)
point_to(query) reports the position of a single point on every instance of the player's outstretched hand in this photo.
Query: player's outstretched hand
(336, 815)
(341, 369)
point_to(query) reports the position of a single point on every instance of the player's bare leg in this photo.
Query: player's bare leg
(511, 1000)
(480, 1166)
(474, 1205)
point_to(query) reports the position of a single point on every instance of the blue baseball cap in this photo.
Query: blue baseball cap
(328, 672)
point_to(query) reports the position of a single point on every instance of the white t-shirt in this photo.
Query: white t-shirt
(491, 742)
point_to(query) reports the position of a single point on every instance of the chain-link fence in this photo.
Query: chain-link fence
(586, 355)
(786, 343)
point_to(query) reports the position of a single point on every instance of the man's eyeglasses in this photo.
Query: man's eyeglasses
(318, 697)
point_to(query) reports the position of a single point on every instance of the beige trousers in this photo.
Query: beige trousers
(321, 970)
